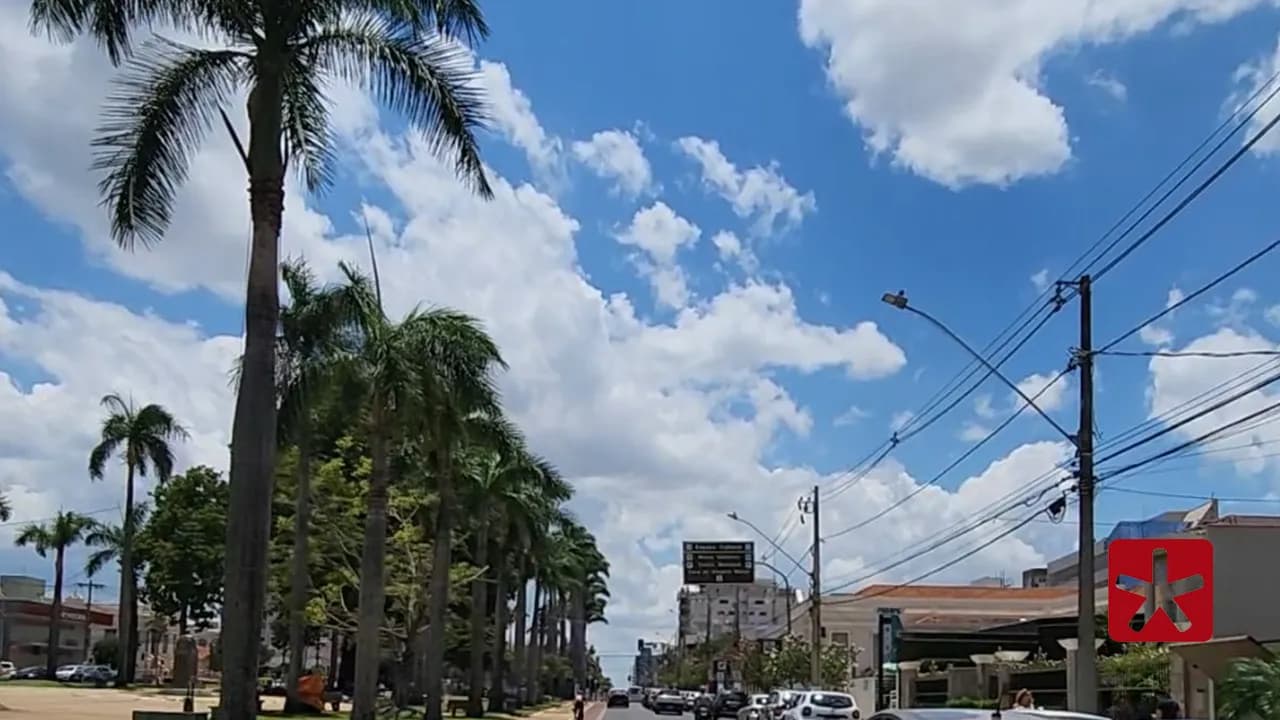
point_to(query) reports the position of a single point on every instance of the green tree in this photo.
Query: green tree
(1140, 666)
(182, 544)
(106, 651)
(6, 510)
(284, 54)
(63, 531)
(1250, 691)
(428, 377)
(312, 329)
(144, 437)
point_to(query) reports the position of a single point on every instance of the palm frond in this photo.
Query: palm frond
(153, 122)
(308, 135)
(110, 22)
(6, 510)
(429, 80)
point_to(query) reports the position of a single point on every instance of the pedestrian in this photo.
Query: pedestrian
(1024, 700)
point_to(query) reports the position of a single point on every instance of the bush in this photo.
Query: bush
(105, 651)
(974, 703)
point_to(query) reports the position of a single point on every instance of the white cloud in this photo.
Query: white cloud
(954, 91)
(1177, 381)
(511, 112)
(1272, 314)
(972, 432)
(1109, 84)
(1040, 280)
(1250, 79)
(1053, 395)
(851, 416)
(1235, 311)
(660, 234)
(1159, 334)
(616, 155)
(760, 193)
(900, 419)
(732, 250)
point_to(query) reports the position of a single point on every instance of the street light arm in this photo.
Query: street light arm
(900, 301)
(735, 517)
(786, 581)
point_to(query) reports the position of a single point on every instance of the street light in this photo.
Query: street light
(899, 300)
(786, 582)
(736, 518)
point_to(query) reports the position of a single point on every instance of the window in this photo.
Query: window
(759, 602)
(840, 638)
(724, 601)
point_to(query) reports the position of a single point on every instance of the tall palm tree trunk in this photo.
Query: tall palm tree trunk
(439, 601)
(497, 684)
(128, 588)
(373, 591)
(55, 614)
(253, 430)
(479, 593)
(578, 636)
(299, 571)
(520, 662)
(533, 693)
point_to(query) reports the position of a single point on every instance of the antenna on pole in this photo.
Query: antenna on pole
(373, 258)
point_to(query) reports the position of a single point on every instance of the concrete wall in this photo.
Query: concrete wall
(1246, 584)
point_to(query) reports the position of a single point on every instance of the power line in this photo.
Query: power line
(37, 521)
(1200, 291)
(1189, 496)
(1174, 354)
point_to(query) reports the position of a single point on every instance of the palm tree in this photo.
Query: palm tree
(108, 541)
(424, 372)
(528, 509)
(283, 54)
(1250, 690)
(66, 529)
(144, 437)
(6, 510)
(312, 330)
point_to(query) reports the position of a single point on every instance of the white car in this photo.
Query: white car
(7, 669)
(66, 673)
(823, 705)
(757, 708)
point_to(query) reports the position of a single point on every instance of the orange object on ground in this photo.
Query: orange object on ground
(311, 691)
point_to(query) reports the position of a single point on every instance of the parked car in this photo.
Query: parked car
(975, 714)
(779, 700)
(727, 704)
(690, 698)
(66, 673)
(34, 672)
(95, 674)
(618, 698)
(823, 705)
(635, 695)
(668, 701)
(7, 669)
(757, 708)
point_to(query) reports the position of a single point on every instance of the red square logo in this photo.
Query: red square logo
(1177, 573)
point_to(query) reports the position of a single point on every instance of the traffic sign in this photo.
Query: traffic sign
(711, 563)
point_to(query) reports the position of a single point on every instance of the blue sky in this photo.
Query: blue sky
(951, 154)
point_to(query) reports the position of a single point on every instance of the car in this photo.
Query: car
(618, 698)
(975, 714)
(635, 694)
(66, 673)
(33, 672)
(7, 669)
(690, 698)
(780, 699)
(727, 704)
(668, 701)
(823, 705)
(757, 708)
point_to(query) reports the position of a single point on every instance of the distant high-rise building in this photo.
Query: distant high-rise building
(728, 609)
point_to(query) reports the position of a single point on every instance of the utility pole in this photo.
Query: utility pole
(1086, 698)
(810, 505)
(88, 612)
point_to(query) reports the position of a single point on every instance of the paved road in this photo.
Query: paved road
(639, 712)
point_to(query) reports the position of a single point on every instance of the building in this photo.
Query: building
(714, 611)
(24, 624)
(1064, 570)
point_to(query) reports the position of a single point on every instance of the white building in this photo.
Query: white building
(718, 610)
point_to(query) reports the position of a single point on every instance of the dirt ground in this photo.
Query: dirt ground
(73, 703)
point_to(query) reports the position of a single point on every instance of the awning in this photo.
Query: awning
(1214, 657)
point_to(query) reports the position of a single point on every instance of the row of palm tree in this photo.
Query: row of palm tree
(410, 55)
(424, 388)
(59, 534)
